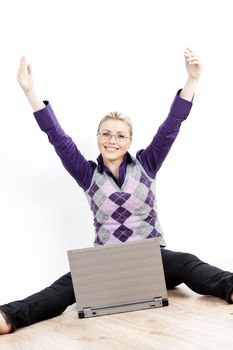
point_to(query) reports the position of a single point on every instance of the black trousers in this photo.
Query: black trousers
(179, 268)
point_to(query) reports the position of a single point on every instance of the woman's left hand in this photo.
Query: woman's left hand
(193, 64)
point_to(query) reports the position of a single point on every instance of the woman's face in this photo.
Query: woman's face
(113, 140)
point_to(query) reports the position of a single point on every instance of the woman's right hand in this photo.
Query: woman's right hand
(25, 80)
(24, 76)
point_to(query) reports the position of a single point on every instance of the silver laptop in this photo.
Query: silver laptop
(118, 278)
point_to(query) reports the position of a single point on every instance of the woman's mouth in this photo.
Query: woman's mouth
(111, 149)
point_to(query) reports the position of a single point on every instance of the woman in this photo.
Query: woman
(119, 189)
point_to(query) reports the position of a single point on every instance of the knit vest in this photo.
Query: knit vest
(127, 213)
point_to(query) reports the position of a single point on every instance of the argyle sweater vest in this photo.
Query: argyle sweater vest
(127, 213)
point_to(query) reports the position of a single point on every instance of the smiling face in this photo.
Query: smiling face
(114, 140)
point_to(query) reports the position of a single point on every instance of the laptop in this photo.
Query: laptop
(117, 278)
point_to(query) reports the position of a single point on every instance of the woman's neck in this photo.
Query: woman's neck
(113, 166)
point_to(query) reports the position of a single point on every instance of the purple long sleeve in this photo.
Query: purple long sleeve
(72, 159)
(153, 156)
(82, 170)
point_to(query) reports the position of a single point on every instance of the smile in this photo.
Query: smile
(111, 149)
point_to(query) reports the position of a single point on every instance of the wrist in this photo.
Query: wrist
(36, 103)
(29, 93)
(189, 88)
(193, 80)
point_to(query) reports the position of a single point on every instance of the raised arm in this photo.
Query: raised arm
(153, 156)
(74, 162)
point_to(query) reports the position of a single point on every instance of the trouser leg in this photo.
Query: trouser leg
(202, 278)
(48, 303)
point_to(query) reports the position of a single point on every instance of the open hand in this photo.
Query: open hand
(24, 76)
(193, 64)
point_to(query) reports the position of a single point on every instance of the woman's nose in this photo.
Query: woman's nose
(110, 139)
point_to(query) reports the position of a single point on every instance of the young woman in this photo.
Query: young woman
(120, 191)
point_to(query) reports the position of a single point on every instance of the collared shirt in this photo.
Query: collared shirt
(151, 158)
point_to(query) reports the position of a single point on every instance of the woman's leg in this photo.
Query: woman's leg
(48, 303)
(202, 278)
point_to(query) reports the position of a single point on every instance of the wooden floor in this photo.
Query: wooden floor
(189, 322)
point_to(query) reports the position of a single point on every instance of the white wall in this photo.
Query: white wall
(91, 57)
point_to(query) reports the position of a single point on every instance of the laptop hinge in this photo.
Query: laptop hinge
(158, 302)
(88, 312)
(153, 303)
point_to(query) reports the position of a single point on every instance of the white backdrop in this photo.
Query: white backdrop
(91, 57)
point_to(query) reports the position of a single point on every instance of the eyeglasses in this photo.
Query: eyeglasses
(106, 135)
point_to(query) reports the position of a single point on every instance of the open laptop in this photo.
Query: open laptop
(118, 277)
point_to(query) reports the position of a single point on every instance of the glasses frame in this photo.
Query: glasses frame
(107, 138)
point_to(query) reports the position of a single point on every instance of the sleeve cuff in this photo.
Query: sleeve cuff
(180, 107)
(45, 117)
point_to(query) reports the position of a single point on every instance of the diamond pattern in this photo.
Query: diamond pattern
(94, 207)
(98, 241)
(121, 214)
(99, 198)
(145, 181)
(104, 234)
(151, 217)
(141, 192)
(153, 234)
(119, 197)
(97, 225)
(94, 188)
(123, 233)
(150, 199)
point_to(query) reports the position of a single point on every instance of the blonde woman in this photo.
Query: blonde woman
(120, 191)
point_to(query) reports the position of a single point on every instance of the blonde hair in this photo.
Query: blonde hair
(117, 116)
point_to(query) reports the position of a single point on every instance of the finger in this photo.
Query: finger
(187, 52)
(22, 65)
(194, 62)
(192, 58)
(29, 69)
(189, 49)
(23, 60)
(190, 54)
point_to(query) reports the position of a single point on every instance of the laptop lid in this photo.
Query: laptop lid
(118, 277)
